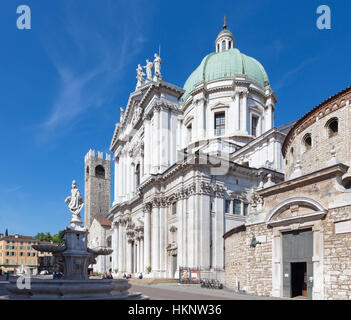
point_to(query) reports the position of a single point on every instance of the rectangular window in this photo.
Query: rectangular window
(246, 209)
(227, 206)
(219, 123)
(254, 126)
(174, 208)
(237, 207)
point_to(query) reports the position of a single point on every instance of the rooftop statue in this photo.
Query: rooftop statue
(140, 76)
(157, 66)
(148, 67)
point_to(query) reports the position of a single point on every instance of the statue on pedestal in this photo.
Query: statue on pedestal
(75, 205)
(121, 117)
(157, 67)
(140, 76)
(148, 67)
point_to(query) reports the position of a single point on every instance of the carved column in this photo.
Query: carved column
(147, 146)
(129, 255)
(163, 233)
(218, 244)
(237, 111)
(141, 268)
(181, 231)
(147, 236)
(205, 225)
(155, 237)
(244, 111)
(164, 139)
(156, 148)
(116, 189)
(115, 242)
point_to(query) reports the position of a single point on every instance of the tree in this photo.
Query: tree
(58, 237)
(41, 236)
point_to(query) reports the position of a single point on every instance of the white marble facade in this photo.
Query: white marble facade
(180, 181)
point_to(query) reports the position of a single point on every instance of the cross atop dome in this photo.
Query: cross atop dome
(225, 39)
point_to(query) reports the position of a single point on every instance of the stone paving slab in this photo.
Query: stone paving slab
(197, 290)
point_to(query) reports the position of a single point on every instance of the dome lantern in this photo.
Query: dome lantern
(225, 39)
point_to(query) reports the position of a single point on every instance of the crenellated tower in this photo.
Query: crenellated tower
(97, 186)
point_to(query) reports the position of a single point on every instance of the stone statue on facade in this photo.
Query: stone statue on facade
(148, 68)
(140, 76)
(75, 205)
(121, 117)
(157, 67)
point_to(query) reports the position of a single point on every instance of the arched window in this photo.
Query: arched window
(254, 125)
(292, 151)
(189, 132)
(333, 127)
(99, 171)
(229, 45)
(217, 47)
(307, 140)
(347, 183)
(223, 46)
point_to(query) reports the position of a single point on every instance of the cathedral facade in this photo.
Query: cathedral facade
(188, 163)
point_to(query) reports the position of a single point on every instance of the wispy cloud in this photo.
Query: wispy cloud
(88, 76)
(10, 189)
(283, 81)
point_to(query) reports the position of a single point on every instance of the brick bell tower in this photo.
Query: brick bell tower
(97, 186)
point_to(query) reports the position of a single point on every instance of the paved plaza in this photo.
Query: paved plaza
(173, 291)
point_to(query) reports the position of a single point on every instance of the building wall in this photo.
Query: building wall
(337, 256)
(319, 154)
(98, 237)
(14, 261)
(236, 262)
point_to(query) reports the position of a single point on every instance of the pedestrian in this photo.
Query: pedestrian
(140, 275)
(7, 275)
(110, 275)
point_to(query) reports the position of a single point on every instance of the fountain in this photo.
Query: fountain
(75, 257)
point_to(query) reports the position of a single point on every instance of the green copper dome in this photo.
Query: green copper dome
(226, 64)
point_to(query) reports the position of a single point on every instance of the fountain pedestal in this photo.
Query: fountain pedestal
(75, 257)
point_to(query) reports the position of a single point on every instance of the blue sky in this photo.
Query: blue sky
(62, 82)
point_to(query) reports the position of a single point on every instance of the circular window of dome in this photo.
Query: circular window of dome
(346, 182)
